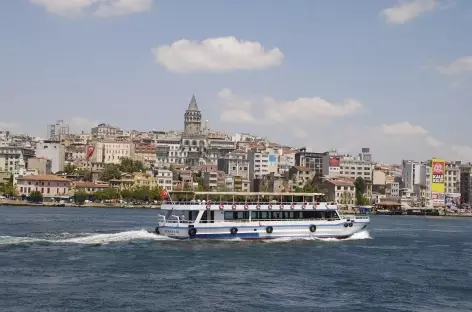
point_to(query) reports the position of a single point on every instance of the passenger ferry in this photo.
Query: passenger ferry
(226, 215)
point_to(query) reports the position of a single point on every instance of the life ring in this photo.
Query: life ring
(281, 206)
(292, 206)
(192, 232)
(346, 224)
(234, 231)
(208, 207)
(312, 228)
(222, 207)
(270, 206)
(350, 224)
(157, 230)
(269, 230)
(233, 207)
(246, 207)
(258, 207)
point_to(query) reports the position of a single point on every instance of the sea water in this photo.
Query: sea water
(97, 259)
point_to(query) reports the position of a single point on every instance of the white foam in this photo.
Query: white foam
(90, 238)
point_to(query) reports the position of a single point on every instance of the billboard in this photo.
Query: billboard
(438, 168)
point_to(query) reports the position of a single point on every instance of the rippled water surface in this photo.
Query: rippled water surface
(81, 259)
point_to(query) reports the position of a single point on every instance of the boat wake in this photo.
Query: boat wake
(130, 236)
(84, 238)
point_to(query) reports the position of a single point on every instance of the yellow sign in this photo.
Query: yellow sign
(438, 170)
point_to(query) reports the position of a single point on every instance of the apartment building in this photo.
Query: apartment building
(452, 177)
(301, 175)
(42, 164)
(318, 161)
(146, 153)
(165, 178)
(354, 168)
(12, 157)
(105, 130)
(341, 191)
(111, 152)
(234, 164)
(53, 150)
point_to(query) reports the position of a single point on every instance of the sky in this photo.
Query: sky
(391, 75)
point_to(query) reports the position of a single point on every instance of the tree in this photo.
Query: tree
(35, 197)
(111, 171)
(87, 174)
(106, 194)
(361, 187)
(9, 189)
(346, 198)
(129, 165)
(187, 187)
(80, 196)
(70, 169)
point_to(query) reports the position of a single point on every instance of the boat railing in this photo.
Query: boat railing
(230, 203)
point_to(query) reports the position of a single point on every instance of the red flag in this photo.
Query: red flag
(164, 194)
(90, 150)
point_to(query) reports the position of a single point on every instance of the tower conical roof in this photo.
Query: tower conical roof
(192, 106)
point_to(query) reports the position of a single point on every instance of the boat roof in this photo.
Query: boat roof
(249, 193)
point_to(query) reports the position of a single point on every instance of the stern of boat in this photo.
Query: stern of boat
(174, 227)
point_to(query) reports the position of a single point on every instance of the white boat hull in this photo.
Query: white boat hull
(254, 230)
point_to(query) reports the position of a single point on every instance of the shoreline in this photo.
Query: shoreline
(15, 203)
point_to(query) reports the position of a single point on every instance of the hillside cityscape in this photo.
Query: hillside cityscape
(108, 159)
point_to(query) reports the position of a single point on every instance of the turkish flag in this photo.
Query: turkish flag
(164, 194)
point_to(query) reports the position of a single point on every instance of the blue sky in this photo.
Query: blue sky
(390, 75)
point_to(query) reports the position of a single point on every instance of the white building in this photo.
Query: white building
(12, 158)
(105, 130)
(164, 179)
(414, 173)
(353, 167)
(111, 152)
(452, 177)
(258, 162)
(53, 150)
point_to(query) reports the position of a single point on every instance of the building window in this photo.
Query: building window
(48, 190)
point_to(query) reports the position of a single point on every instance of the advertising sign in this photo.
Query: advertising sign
(438, 168)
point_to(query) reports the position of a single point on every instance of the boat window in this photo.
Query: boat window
(236, 215)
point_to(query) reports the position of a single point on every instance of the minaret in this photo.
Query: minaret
(193, 118)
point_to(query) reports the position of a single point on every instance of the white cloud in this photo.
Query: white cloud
(100, 8)
(221, 54)
(123, 7)
(458, 66)
(403, 128)
(78, 124)
(307, 110)
(299, 133)
(408, 10)
(433, 141)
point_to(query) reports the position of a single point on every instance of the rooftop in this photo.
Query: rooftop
(44, 177)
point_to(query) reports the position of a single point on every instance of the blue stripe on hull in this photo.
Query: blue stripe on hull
(256, 236)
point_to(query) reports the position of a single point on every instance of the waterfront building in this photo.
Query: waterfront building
(318, 161)
(47, 185)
